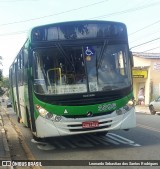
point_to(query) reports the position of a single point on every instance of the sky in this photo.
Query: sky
(17, 17)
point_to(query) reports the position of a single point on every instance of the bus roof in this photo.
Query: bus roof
(74, 30)
(76, 22)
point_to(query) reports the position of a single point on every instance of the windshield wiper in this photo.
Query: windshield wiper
(101, 54)
(64, 54)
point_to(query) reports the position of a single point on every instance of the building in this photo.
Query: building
(146, 74)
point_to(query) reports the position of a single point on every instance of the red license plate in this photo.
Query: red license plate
(90, 124)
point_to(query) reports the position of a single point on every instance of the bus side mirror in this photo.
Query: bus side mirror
(131, 58)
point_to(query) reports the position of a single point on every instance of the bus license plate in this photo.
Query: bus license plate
(90, 124)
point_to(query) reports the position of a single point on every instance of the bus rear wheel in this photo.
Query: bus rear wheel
(28, 119)
(18, 119)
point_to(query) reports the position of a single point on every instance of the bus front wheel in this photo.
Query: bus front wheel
(38, 139)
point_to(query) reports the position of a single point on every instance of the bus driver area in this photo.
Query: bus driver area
(57, 75)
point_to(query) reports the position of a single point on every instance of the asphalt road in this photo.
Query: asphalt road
(140, 143)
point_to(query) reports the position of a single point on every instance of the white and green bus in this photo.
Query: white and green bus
(74, 78)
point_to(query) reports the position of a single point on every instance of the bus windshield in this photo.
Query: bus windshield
(81, 68)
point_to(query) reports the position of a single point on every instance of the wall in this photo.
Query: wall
(152, 82)
(155, 78)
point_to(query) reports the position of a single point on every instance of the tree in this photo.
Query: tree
(4, 85)
(5, 82)
(1, 76)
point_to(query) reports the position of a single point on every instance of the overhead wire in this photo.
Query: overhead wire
(144, 27)
(86, 6)
(151, 49)
(14, 33)
(111, 14)
(126, 11)
(20, 32)
(146, 36)
(144, 43)
(59, 13)
(135, 9)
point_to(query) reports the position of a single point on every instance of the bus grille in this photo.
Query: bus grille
(83, 116)
(89, 129)
(78, 127)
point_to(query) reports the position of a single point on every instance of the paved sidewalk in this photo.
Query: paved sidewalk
(142, 109)
(4, 149)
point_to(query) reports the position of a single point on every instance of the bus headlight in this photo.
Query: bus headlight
(125, 108)
(131, 103)
(57, 118)
(45, 114)
(119, 112)
(128, 106)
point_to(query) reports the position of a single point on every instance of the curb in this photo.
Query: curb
(4, 138)
(5, 144)
(21, 140)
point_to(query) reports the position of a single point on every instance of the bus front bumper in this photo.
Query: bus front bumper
(73, 126)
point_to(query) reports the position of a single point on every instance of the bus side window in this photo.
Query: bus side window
(25, 57)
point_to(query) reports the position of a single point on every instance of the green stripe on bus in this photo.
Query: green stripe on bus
(82, 110)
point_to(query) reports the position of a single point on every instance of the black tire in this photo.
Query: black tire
(152, 111)
(38, 138)
(28, 121)
(18, 119)
(35, 138)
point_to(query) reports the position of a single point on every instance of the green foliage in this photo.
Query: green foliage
(5, 83)
(1, 76)
(1, 91)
